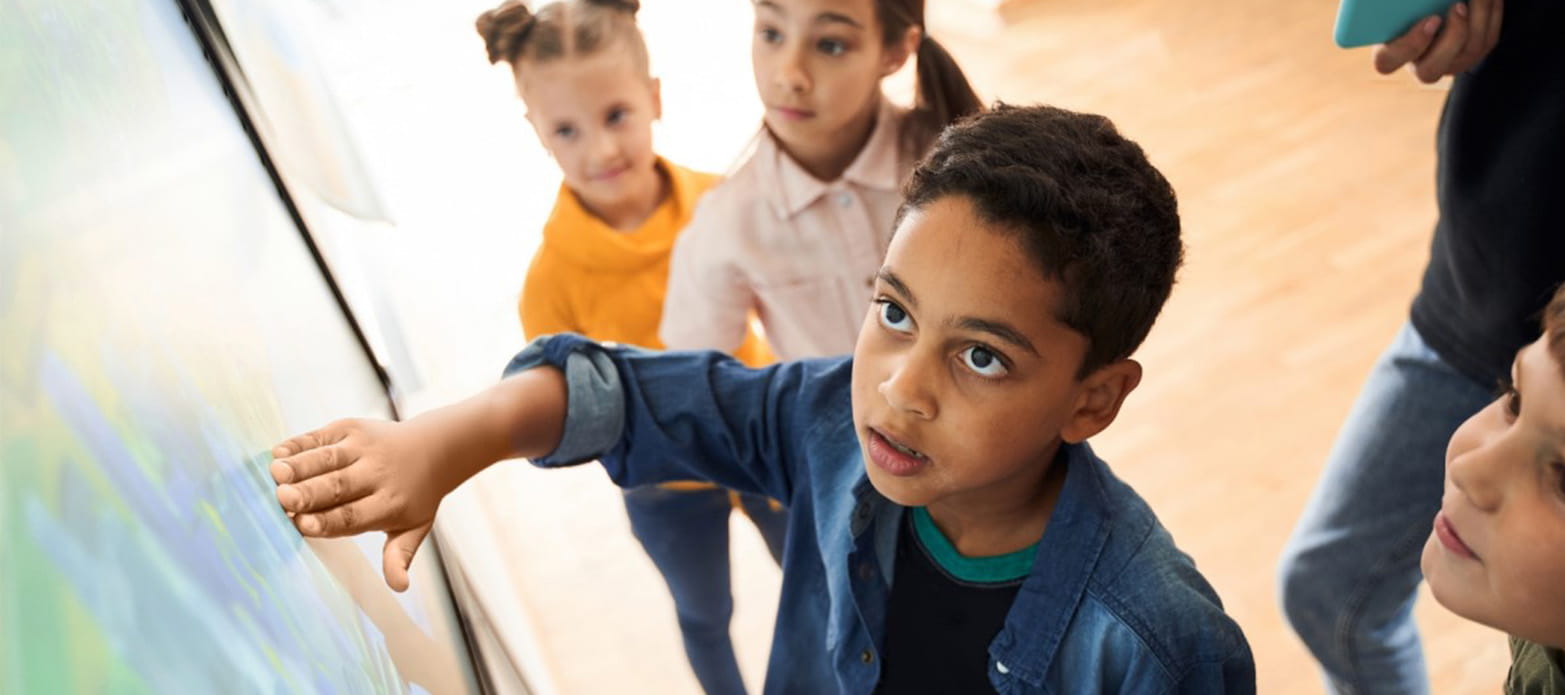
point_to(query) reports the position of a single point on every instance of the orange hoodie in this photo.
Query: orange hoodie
(608, 285)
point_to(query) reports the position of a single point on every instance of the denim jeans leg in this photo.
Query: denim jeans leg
(770, 518)
(1349, 575)
(685, 532)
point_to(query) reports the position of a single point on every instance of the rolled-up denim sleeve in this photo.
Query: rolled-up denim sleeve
(653, 417)
(595, 405)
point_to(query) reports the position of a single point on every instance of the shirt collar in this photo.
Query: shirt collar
(1076, 536)
(877, 166)
(1067, 555)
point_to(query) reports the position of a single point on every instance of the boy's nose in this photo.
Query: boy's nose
(906, 389)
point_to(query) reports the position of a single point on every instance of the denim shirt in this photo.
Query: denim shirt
(1110, 605)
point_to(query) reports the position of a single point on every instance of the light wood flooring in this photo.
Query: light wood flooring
(1306, 185)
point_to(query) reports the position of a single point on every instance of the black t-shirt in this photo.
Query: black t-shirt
(1499, 247)
(939, 624)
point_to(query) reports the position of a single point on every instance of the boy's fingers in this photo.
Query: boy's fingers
(301, 467)
(1437, 61)
(322, 491)
(1404, 49)
(398, 555)
(330, 434)
(358, 516)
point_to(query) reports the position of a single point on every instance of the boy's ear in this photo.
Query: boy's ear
(1099, 399)
(897, 55)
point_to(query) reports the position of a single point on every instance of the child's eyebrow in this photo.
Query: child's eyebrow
(885, 275)
(827, 17)
(998, 330)
(837, 18)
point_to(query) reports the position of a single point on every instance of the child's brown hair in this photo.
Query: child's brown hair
(944, 94)
(569, 28)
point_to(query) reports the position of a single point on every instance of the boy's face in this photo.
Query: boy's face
(1497, 551)
(964, 382)
(594, 115)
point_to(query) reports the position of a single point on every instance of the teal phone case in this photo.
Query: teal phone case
(1368, 22)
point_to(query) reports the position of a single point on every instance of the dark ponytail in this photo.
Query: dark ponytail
(943, 93)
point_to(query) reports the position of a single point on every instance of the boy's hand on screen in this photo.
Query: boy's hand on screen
(354, 476)
(1436, 48)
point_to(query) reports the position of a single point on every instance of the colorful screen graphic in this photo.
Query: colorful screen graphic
(161, 325)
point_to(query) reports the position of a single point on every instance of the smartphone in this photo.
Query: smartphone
(1368, 22)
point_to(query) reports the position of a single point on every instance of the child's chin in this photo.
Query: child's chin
(1441, 585)
(895, 489)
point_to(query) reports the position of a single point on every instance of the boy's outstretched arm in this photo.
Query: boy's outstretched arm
(354, 476)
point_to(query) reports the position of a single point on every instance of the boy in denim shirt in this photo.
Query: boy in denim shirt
(950, 529)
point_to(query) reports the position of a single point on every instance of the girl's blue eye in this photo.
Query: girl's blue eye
(770, 35)
(831, 47)
(983, 361)
(894, 317)
(565, 132)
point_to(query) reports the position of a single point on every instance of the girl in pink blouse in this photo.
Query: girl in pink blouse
(797, 231)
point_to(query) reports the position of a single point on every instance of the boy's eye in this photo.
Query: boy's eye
(894, 317)
(831, 47)
(616, 116)
(565, 132)
(770, 35)
(983, 361)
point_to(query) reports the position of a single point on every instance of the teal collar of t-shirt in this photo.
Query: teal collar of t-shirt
(993, 569)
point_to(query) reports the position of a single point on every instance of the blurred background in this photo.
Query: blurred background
(165, 322)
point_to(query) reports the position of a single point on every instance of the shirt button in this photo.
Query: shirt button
(1001, 667)
(867, 656)
(844, 199)
(866, 571)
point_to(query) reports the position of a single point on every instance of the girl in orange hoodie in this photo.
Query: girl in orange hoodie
(581, 68)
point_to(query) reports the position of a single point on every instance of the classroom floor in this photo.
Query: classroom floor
(1306, 184)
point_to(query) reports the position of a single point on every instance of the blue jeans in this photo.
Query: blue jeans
(1350, 572)
(686, 534)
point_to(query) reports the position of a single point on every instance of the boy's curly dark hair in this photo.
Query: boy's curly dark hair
(1084, 202)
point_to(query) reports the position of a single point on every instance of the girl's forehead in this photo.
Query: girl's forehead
(859, 13)
(576, 77)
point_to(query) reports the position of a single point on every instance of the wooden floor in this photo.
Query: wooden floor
(1306, 188)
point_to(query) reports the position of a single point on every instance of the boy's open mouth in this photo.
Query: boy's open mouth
(899, 446)
(893, 456)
